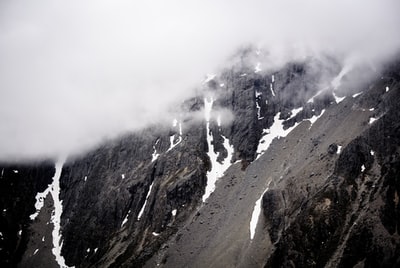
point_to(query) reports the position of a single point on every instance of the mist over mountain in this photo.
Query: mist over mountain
(75, 73)
(199, 133)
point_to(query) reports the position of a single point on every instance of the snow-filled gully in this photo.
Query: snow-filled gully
(217, 169)
(54, 190)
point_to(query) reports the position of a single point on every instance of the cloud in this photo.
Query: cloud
(74, 72)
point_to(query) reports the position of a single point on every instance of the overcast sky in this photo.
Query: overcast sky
(73, 72)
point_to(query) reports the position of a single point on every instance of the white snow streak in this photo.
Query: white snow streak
(272, 89)
(362, 168)
(36, 251)
(372, 153)
(273, 78)
(15, 171)
(145, 202)
(256, 214)
(387, 89)
(217, 169)
(259, 117)
(155, 155)
(257, 68)
(56, 215)
(339, 149)
(155, 234)
(296, 111)
(357, 94)
(122, 176)
(125, 219)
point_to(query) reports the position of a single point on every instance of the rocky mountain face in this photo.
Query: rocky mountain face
(307, 176)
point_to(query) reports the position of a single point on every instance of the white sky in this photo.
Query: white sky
(74, 72)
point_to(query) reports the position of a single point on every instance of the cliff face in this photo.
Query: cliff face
(323, 194)
(19, 185)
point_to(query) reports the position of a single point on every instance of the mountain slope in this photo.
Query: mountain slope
(312, 180)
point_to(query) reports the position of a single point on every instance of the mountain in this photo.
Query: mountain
(298, 167)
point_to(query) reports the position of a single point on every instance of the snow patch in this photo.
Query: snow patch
(217, 169)
(357, 94)
(155, 234)
(35, 252)
(362, 168)
(339, 149)
(372, 120)
(43, 239)
(316, 117)
(272, 89)
(173, 212)
(145, 202)
(172, 137)
(338, 99)
(387, 89)
(296, 111)
(2, 172)
(95, 250)
(40, 201)
(273, 78)
(256, 214)
(275, 131)
(88, 250)
(244, 74)
(125, 219)
(259, 117)
(15, 171)
(372, 153)
(85, 178)
(155, 155)
(122, 176)
(222, 85)
(20, 232)
(257, 68)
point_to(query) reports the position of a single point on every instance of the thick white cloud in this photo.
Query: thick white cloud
(74, 72)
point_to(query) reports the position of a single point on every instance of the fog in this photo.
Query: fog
(75, 72)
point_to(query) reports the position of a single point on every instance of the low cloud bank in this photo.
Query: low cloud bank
(75, 72)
